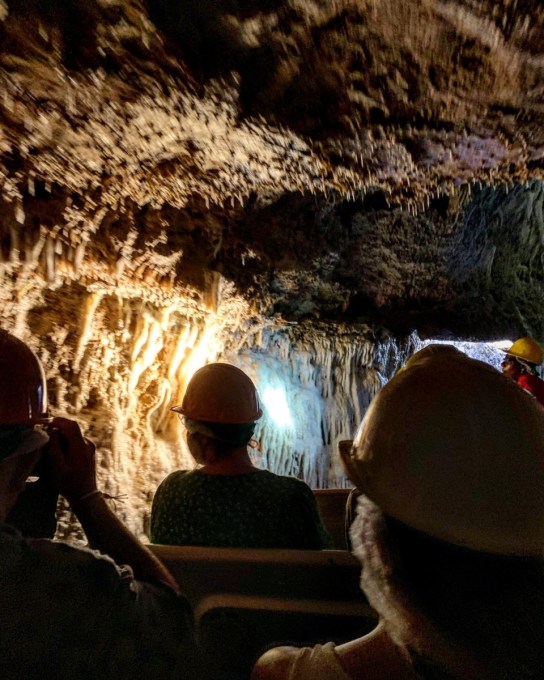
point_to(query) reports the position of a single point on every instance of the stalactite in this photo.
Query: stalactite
(326, 383)
(89, 308)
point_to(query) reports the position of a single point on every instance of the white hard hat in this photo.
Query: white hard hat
(454, 449)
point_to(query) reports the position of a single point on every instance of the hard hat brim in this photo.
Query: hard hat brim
(206, 418)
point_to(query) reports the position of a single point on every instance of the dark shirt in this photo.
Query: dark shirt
(70, 613)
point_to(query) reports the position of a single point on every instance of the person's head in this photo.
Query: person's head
(23, 404)
(511, 367)
(523, 356)
(220, 409)
(430, 351)
(450, 529)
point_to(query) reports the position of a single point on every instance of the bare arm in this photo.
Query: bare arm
(274, 664)
(70, 458)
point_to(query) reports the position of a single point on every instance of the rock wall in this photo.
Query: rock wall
(496, 262)
(120, 337)
(116, 360)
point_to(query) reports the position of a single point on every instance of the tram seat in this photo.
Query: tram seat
(247, 600)
(332, 507)
(234, 630)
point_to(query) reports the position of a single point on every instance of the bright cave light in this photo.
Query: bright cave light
(491, 353)
(502, 344)
(276, 405)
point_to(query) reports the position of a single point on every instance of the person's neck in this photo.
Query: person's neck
(237, 462)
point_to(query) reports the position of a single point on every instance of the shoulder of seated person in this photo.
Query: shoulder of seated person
(375, 657)
(274, 664)
(63, 554)
(297, 483)
(372, 657)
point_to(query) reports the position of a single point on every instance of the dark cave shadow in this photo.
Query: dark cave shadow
(207, 36)
(203, 32)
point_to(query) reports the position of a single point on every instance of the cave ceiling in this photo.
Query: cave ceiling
(332, 161)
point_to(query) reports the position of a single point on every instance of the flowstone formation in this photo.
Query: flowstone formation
(302, 187)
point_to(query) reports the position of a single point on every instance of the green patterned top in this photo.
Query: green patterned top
(253, 510)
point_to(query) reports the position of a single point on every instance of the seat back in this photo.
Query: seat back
(300, 574)
(332, 507)
(248, 600)
(234, 630)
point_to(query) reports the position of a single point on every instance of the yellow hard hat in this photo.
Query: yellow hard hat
(221, 393)
(454, 449)
(527, 349)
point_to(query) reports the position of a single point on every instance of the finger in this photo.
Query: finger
(55, 439)
(55, 449)
(91, 447)
(65, 424)
(71, 431)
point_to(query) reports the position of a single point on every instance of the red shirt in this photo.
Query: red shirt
(532, 384)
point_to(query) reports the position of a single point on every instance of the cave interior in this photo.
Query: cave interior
(309, 189)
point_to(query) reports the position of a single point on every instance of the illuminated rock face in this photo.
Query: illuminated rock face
(294, 189)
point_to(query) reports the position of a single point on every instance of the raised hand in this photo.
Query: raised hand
(70, 459)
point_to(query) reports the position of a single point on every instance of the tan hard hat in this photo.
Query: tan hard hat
(221, 393)
(454, 449)
(23, 390)
(526, 349)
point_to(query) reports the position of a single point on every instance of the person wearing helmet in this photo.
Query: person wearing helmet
(70, 612)
(449, 460)
(227, 501)
(520, 364)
